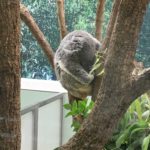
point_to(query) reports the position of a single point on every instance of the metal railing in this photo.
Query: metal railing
(35, 112)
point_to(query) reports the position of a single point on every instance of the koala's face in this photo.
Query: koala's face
(79, 46)
(88, 46)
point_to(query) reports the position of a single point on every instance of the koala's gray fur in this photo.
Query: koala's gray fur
(73, 61)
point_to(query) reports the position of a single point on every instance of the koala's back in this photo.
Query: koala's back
(78, 46)
(73, 61)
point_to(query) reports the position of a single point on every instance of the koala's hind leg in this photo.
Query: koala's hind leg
(73, 98)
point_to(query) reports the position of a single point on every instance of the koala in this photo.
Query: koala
(73, 62)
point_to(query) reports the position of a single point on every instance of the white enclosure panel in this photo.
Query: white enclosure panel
(49, 120)
(49, 126)
(26, 131)
(31, 97)
(67, 121)
(42, 85)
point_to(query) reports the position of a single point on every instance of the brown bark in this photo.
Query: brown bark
(111, 24)
(9, 75)
(105, 44)
(99, 19)
(61, 18)
(118, 88)
(140, 84)
(29, 21)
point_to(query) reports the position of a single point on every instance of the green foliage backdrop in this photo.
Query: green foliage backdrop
(80, 14)
(143, 50)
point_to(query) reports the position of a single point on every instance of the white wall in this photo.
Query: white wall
(49, 127)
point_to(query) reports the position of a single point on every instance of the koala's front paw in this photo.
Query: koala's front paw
(87, 79)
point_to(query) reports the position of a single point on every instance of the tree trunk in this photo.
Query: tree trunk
(9, 75)
(110, 27)
(119, 88)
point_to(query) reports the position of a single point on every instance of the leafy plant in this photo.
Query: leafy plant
(133, 131)
(79, 110)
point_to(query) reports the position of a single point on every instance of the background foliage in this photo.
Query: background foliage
(80, 14)
(133, 131)
(143, 50)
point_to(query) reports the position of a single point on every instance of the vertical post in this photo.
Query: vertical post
(61, 120)
(35, 113)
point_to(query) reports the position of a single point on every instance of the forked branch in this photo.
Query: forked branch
(111, 102)
(141, 80)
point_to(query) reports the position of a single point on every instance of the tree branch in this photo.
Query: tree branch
(105, 44)
(125, 36)
(29, 21)
(99, 19)
(111, 24)
(61, 18)
(109, 106)
(140, 84)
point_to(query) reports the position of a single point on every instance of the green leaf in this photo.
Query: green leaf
(90, 106)
(76, 125)
(81, 108)
(69, 114)
(139, 124)
(81, 104)
(97, 68)
(126, 120)
(145, 97)
(84, 103)
(128, 131)
(137, 130)
(121, 140)
(147, 106)
(136, 143)
(67, 106)
(138, 109)
(146, 115)
(101, 73)
(74, 106)
(145, 143)
(132, 108)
